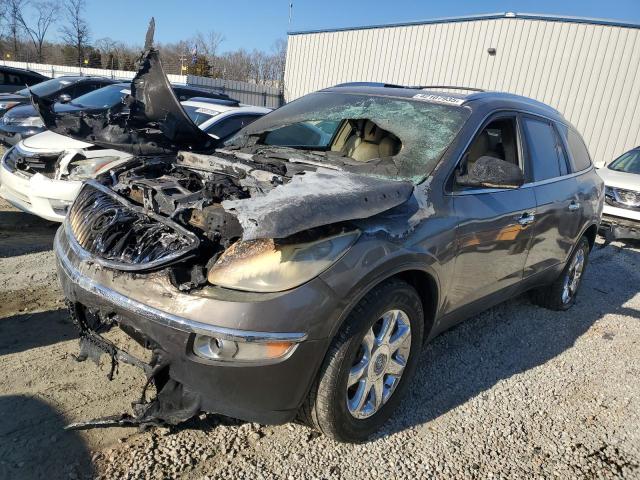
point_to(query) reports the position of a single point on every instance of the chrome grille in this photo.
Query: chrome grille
(123, 236)
(619, 197)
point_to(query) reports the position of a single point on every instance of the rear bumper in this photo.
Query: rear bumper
(269, 393)
(38, 194)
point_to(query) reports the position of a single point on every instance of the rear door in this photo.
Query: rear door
(494, 224)
(558, 208)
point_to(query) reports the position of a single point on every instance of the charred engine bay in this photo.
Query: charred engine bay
(184, 211)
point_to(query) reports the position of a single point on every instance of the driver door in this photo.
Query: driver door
(494, 225)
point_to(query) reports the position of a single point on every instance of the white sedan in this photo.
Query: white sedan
(43, 174)
(621, 214)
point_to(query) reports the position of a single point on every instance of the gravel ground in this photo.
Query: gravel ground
(516, 392)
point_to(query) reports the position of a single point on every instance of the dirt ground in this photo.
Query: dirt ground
(514, 392)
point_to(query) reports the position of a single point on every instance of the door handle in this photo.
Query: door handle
(574, 206)
(526, 218)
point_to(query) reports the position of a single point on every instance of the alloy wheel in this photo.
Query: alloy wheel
(379, 364)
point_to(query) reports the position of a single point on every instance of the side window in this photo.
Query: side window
(3, 81)
(498, 139)
(579, 152)
(228, 126)
(542, 142)
(82, 88)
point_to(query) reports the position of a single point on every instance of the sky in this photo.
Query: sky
(258, 24)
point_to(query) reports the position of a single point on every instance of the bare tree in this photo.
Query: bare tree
(208, 45)
(76, 31)
(13, 13)
(47, 14)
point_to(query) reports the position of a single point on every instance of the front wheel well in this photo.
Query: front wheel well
(427, 289)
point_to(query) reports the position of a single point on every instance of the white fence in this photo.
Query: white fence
(248, 93)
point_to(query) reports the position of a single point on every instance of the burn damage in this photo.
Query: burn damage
(150, 121)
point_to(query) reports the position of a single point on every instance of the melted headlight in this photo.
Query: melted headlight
(267, 266)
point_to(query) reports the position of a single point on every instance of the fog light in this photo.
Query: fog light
(222, 349)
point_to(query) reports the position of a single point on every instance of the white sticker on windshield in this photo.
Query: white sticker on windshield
(207, 111)
(430, 97)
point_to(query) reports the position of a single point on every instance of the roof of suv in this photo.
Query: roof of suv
(465, 94)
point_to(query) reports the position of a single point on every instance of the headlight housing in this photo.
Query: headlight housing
(88, 167)
(29, 122)
(8, 105)
(269, 266)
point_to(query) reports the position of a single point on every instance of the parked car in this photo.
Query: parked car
(272, 280)
(621, 216)
(23, 121)
(12, 79)
(61, 89)
(43, 173)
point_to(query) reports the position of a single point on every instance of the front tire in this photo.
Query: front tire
(368, 365)
(561, 294)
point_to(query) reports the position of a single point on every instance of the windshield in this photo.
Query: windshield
(47, 88)
(199, 115)
(628, 163)
(105, 97)
(408, 135)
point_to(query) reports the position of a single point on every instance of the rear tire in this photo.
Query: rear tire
(369, 364)
(561, 294)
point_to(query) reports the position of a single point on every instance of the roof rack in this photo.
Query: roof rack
(447, 87)
(408, 87)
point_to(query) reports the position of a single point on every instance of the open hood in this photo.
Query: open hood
(151, 120)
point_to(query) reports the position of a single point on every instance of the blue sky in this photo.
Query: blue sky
(253, 24)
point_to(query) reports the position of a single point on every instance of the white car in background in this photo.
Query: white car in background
(44, 173)
(621, 214)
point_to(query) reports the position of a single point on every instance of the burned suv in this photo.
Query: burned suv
(298, 270)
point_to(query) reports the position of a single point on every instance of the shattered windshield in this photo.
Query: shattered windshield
(406, 135)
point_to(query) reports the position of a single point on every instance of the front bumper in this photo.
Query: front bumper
(38, 194)
(13, 134)
(616, 227)
(150, 305)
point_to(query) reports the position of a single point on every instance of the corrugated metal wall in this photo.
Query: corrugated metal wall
(589, 72)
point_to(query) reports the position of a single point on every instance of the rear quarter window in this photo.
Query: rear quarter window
(579, 152)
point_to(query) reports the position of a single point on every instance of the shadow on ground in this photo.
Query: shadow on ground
(23, 332)
(22, 233)
(509, 339)
(26, 449)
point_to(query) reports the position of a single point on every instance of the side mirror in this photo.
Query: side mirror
(64, 98)
(491, 172)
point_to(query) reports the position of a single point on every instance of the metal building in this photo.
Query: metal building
(588, 69)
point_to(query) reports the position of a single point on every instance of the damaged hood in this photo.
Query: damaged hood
(150, 121)
(315, 199)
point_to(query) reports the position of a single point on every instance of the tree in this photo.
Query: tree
(47, 14)
(13, 13)
(76, 32)
(208, 44)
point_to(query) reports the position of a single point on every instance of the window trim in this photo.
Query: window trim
(572, 161)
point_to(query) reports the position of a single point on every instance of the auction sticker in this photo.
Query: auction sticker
(430, 97)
